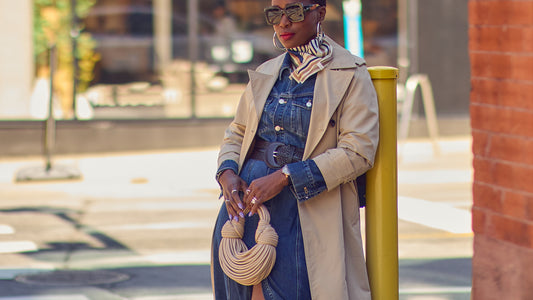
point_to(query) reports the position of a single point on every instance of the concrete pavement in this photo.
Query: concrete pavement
(141, 223)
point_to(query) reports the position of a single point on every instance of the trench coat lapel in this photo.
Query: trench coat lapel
(330, 87)
(261, 83)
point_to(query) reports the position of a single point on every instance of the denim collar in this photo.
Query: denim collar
(287, 64)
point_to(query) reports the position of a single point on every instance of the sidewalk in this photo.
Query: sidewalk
(140, 223)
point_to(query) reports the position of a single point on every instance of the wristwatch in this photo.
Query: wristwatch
(285, 171)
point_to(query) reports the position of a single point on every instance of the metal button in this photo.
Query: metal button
(278, 128)
(309, 103)
(282, 101)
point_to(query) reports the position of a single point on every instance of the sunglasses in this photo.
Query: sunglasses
(295, 12)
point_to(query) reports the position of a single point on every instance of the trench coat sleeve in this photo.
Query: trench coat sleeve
(231, 146)
(357, 133)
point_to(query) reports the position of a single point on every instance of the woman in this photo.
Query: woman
(305, 128)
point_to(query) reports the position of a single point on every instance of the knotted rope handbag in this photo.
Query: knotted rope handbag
(248, 267)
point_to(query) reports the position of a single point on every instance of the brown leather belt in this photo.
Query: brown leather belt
(276, 154)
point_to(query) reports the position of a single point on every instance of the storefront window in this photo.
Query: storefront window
(135, 58)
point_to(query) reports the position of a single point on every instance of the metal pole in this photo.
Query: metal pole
(50, 125)
(382, 193)
(49, 172)
(193, 49)
(74, 34)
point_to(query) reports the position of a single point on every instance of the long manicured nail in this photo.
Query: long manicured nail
(240, 205)
(241, 214)
(230, 217)
(250, 214)
(236, 219)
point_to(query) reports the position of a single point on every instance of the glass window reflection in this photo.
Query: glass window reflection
(133, 58)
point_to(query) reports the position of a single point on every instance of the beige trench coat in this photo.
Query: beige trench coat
(342, 140)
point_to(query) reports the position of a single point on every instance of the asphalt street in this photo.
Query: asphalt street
(138, 226)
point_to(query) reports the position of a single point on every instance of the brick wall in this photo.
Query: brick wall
(501, 110)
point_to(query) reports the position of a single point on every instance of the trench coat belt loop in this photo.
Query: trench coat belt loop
(276, 154)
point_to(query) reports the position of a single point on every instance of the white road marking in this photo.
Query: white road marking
(435, 176)
(160, 226)
(203, 296)
(156, 206)
(434, 215)
(182, 257)
(47, 297)
(17, 246)
(177, 257)
(436, 290)
(6, 229)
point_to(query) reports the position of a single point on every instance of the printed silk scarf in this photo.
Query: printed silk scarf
(310, 58)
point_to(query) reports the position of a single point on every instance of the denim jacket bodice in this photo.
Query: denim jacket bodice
(285, 118)
(287, 111)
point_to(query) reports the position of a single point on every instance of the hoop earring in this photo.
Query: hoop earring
(319, 31)
(277, 43)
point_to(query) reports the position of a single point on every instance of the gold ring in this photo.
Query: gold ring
(254, 200)
(247, 191)
(227, 200)
(233, 191)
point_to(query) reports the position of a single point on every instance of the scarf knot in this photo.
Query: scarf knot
(310, 58)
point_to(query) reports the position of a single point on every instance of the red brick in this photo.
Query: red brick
(512, 149)
(502, 174)
(509, 230)
(501, 38)
(503, 12)
(522, 66)
(501, 270)
(515, 205)
(478, 220)
(480, 140)
(520, 12)
(481, 12)
(501, 65)
(502, 120)
(506, 93)
(483, 171)
(526, 198)
(513, 176)
(487, 196)
(529, 207)
(490, 65)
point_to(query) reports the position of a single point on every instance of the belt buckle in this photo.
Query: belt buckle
(270, 155)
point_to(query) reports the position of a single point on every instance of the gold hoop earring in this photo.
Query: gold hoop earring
(277, 43)
(319, 31)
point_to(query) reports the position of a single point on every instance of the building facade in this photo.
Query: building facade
(135, 59)
(501, 108)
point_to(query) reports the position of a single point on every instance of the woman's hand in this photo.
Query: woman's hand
(263, 189)
(231, 185)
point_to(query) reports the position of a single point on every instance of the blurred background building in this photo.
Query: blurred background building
(132, 66)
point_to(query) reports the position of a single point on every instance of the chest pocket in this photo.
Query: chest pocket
(299, 115)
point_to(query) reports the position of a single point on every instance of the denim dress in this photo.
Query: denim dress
(285, 119)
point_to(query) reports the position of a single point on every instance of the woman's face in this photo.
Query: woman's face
(298, 33)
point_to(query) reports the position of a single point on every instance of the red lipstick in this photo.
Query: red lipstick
(286, 36)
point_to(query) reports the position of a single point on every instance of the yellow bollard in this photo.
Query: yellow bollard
(382, 193)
